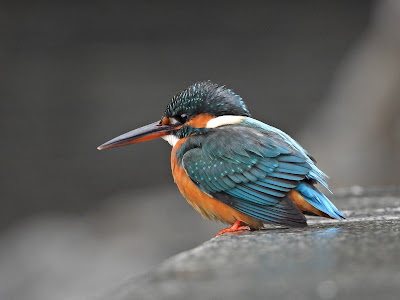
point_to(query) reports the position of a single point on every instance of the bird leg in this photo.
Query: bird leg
(235, 227)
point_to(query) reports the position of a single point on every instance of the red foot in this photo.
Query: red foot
(235, 227)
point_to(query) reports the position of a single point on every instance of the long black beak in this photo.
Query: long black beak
(142, 134)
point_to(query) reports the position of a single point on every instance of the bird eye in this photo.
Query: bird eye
(179, 119)
(183, 118)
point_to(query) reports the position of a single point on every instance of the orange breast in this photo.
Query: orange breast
(207, 206)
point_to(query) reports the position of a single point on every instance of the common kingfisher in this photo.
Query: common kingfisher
(233, 168)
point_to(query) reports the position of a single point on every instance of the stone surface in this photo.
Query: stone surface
(358, 258)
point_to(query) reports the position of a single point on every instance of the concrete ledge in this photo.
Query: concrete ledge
(358, 258)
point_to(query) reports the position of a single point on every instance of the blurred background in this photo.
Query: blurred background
(73, 220)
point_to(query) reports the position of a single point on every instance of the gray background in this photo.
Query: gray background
(74, 75)
(74, 220)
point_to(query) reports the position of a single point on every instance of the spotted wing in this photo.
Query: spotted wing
(250, 171)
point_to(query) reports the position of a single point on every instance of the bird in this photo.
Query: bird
(233, 168)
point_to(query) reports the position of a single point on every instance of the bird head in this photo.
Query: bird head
(198, 108)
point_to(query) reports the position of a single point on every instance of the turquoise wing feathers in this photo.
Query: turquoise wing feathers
(310, 193)
(248, 171)
(315, 173)
(251, 170)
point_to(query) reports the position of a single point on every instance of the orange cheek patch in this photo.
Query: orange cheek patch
(165, 121)
(200, 121)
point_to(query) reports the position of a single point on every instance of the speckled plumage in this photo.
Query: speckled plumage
(206, 97)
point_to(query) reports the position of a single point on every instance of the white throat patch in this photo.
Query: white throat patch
(224, 120)
(171, 139)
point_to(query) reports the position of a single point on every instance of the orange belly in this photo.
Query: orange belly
(204, 204)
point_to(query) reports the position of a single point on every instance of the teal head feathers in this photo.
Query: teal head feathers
(205, 98)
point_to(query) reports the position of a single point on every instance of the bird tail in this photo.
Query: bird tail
(318, 200)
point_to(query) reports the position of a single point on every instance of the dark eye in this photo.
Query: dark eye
(179, 119)
(182, 118)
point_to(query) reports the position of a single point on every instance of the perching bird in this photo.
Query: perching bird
(233, 168)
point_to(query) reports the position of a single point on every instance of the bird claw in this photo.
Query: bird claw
(234, 228)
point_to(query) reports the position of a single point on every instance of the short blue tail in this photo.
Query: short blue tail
(313, 196)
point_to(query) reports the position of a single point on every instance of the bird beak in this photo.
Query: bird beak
(142, 134)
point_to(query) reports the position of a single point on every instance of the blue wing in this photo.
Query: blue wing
(315, 173)
(250, 170)
(310, 193)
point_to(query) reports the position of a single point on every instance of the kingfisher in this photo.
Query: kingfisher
(233, 168)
